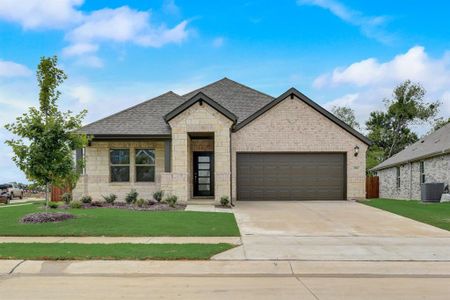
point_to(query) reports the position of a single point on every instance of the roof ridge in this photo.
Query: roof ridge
(227, 79)
(131, 107)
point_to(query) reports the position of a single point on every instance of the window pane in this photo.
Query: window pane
(120, 156)
(145, 173)
(203, 158)
(120, 174)
(203, 173)
(203, 166)
(203, 180)
(203, 187)
(145, 157)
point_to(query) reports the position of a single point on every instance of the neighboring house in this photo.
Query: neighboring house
(428, 160)
(225, 139)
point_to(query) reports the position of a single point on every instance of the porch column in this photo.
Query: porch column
(180, 165)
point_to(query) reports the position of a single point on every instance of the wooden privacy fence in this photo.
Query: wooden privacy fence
(372, 187)
(57, 192)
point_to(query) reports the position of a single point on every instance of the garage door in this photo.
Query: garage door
(291, 176)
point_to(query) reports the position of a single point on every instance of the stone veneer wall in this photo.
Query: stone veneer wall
(96, 182)
(200, 119)
(437, 169)
(293, 126)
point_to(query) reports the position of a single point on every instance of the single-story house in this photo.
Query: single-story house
(428, 160)
(225, 139)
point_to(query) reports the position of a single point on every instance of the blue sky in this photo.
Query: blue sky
(119, 53)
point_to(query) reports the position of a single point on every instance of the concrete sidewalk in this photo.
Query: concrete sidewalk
(226, 268)
(120, 240)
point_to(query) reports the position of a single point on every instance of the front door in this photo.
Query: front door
(203, 174)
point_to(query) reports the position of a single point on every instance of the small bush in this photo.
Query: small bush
(86, 199)
(140, 202)
(53, 205)
(225, 201)
(46, 217)
(158, 196)
(66, 197)
(97, 203)
(110, 198)
(131, 196)
(76, 204)
(171, 200)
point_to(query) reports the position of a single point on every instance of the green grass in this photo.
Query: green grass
(436, 214)
(44, 251)
(119, 222)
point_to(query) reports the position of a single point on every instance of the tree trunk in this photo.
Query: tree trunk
(46, 196)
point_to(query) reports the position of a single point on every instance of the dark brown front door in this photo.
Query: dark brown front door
(203, 174)
(291, 176)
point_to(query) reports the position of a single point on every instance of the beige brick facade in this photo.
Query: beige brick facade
(200, 119)
(96, 181)
(293, 126)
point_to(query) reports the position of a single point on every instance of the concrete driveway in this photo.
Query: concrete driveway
(333, 230)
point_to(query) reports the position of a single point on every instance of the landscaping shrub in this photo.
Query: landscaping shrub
(86, 199)
(53, 205)
(45, 217)
(110, 198)
(131, 196)
(140, 202)
(171, 200)
(66, 197)
(76, 204)
(225, 201)
(158, 196)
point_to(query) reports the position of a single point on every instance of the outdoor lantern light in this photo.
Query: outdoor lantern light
(356, 150)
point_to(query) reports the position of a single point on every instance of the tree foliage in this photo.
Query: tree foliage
(391, 130)
(440, 122)
(346, 114)
(46, 136)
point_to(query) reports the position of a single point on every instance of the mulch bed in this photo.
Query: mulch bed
(46, 217)
(148, 206)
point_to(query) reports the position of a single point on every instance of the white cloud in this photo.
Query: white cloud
(82, 93)
(12, 69)
(371, 26)
(415, 65)
(32, 14)
(218, 42)
(170, 7)
(124, 24)
(80, 49)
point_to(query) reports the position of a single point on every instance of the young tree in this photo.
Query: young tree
(346, 114)
(391, 131)
(47, 136)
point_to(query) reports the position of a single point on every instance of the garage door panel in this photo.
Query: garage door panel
(291, 176)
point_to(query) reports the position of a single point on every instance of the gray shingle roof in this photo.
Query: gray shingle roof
(433, 144)
(235, 97)
(147, 118)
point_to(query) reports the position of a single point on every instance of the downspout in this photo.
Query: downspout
(231, 168)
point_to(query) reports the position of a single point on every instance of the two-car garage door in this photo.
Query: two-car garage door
(291, 176)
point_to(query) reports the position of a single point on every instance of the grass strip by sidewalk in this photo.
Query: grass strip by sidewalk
(71, 251)
(436, 214)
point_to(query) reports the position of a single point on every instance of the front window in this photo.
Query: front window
(145, 165)
(422, 172)
(398, 177)
(120, 165)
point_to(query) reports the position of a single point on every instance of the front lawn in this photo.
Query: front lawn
(436, 214)
(119, 222)
(44, 251)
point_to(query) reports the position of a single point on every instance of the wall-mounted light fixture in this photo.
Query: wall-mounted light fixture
(356, 150)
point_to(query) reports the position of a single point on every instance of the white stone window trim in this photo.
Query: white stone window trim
(120, 165)
(144, 165)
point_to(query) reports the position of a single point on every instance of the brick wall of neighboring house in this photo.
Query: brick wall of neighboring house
(96, 181)
(294, 126)
(199, 119)
(437, 169)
